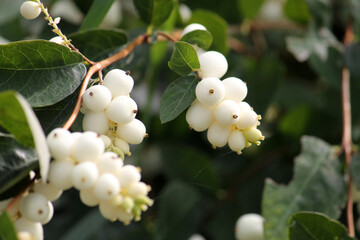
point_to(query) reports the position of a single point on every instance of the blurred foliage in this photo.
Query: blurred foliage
(291, 57)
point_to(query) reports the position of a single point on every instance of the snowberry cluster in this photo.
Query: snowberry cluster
(250, 227)
(101, 177)
(110, 111)
(219, 106)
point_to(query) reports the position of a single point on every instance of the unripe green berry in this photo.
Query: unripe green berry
(253, 135)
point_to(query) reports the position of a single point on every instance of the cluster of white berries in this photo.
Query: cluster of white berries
(101, 177)
(30, 10)
(110, 111)
(219, 106)
(250, 227)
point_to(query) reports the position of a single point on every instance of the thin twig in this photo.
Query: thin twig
(97, 68)
(346, 138)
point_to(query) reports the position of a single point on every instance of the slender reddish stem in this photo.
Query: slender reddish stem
(346, 138)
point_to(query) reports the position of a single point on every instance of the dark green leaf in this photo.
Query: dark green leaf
(201, 38)
(42, 71)
(250, 8)
(177, 97)
(94, 43)
(295, 121)
(180, 164)
(177, 217)
(96, 14)
(15, 163)
(216, 26)
(184, 59)
(352, 58)
(154, 12)
(316, 226)
(355, 169)
(7, 229)
(317, 180)
(13, 118)
(297, 10)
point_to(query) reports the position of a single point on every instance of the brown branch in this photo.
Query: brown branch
(346, 138)
(97, 67)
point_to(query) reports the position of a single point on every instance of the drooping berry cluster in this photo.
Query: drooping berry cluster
(101, 177)
(219, 106)
(110, 111)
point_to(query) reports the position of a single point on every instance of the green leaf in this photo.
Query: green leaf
(154, 12)
(355, 169)
(316, 226)
(201, 38)
(177, 218)
(96, 14)
(179, 164)
(294, 123)
(317, 176)
(297, 10)
(177, 97)
(250, 8)
(42, 71)
(216, 25)
(7, 229)
(184, 59)
(96, 42)
(15, 163)
(352, 58)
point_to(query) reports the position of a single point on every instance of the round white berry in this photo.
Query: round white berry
(128, 175)
(237, 141)
(84, 175)
(199, 116)
(50, 215)
(227, 112)
(48, 190)
(88, 197)
(96, 122)
(59, 40)
(30, 10)
(212, 64)
(123, 145)
(196, 237)
(106, 187)
(60, 174)
(250, 227)
(247, 118)
(192, 27)
(235, 89)
(108, 210)
(124, 216)
(244, 106)
(88, 147)
(132, 132)
(118, 82)
(35, 208)
(253, 135)
(97, 98)
(218, 134)
(138, 189)
(210, 91)
(122, 109)
(109, 162)
(34, 228)
(185, 12)
(59, 141)
(106, 140)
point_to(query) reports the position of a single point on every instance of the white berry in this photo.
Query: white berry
(88, 147)
(106, 140)
(250, 227)
(118, 82)
(30, 10)
(192, 27)
(34, 228)
(227, 112)
(244, 106)
(235, 89)
(199, 116)
(88, 197)
(109, 162)
(210, 91)
(58, 39)
(108, 210)
(96, 122)
(247, 118)
(106, 187)
(237, 141)
(128, 175)
(35, 208)
(97, 98)
(138, 189)
(122, 109)
(132, 132)
(212, 64)
(48, 190)
(60, 174)
(218, 134)
(123, 145)
(84, 175)
(59, 141)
